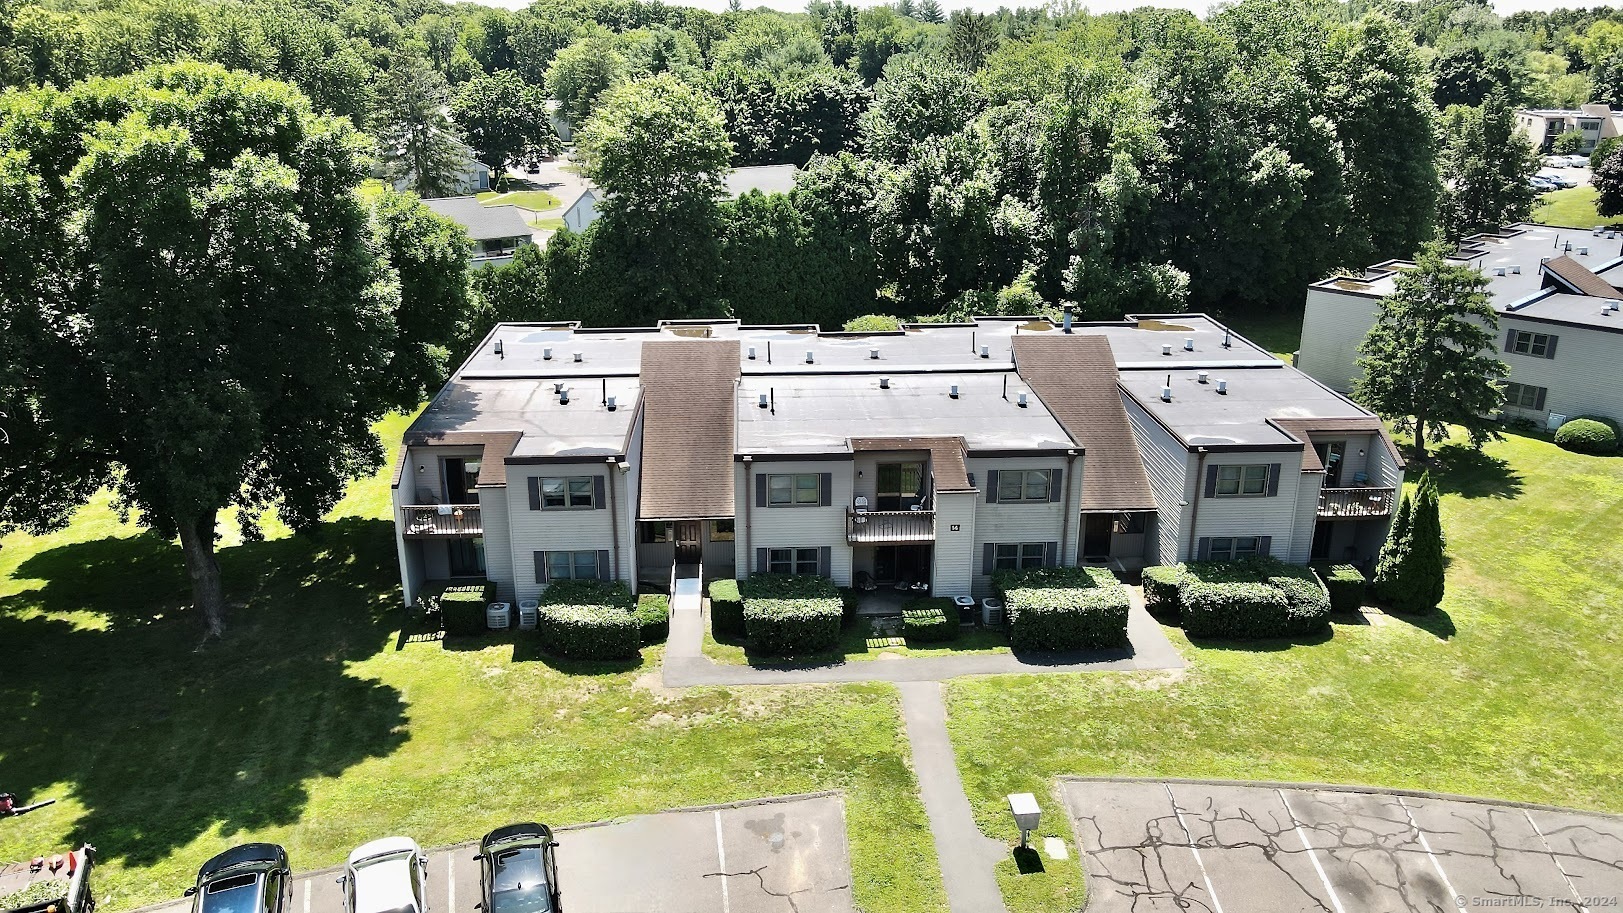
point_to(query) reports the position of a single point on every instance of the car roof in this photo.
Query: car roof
(515, 832)
(246, 854)
(384, 847)
(385, 885)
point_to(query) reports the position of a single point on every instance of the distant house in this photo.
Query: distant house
(1595, 122)
(497, 231)
(582, 211)
(561, 124)
(473, 175)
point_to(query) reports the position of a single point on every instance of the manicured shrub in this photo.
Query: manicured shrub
(1161, 589)
(1587, 435)
(1345, 584)
(654, 617)
(1064, 608)
(462, 607)
(726, 609)
(588, 592)
(589, 631)
(929, 620)
(1257, 597)
(788, 615)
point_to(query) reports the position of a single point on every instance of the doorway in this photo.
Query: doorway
(466, 557)
(461, 481)
(901, 564)
(1330, 454)
(899, 486)
(1321, 541)
(688, 547)
(1096, 530)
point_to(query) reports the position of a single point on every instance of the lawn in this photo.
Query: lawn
(534, 200)
(1508, 691)
(860, 641)
(1574, 207)
(549, 224)
(314, 726)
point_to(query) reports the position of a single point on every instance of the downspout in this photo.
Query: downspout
(749, 496)
(1065, 518)
(614, 513)
(1194, 509)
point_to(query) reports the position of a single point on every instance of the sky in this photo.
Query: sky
(1505, 7)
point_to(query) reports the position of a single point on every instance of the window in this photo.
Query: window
(1538, 345)
(900, 486)
(655, 533)
(1023, 485)
(803, 489)
(1018, 555)
(1241, 481)
(1227, 548)
(791, 560)
(571, 493)
(721, 530)
(1130, 524)
(1524, 396)
(571, 565)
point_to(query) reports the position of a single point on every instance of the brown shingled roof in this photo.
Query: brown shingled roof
(492, 464)
(1075, 376)
(1300, 428)
(1579, 278)
(688, 428)
(946, 457)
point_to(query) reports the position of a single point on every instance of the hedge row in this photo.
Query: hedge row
(462, 607)
(1161, 589)
(1345, 584)
(654, 617)
(1063, 608)
(1257, 597)
(588, 592)
(787, 614)
(593, 631)
(726, 609)
(929, 620)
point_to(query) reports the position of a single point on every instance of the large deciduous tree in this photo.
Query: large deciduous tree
(505, 120)
(429, 252)
(1429, 360)
(202, 319)
(418, 141)
(918, 99)
(1485, 165)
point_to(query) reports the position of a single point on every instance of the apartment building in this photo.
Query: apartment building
(933, 455)
(1594, 122)
(1559, 325)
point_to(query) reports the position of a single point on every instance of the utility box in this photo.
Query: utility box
(1026, 814)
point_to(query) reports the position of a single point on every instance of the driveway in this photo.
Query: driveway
(1256, 848)
(772, 856)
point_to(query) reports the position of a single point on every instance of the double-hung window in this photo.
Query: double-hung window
(1538, 345)
(1233, 548)
(572, 565)
(1241, 481)
(1014, 556)
(568, 493)
(791, 560)
(1524, 396)
(1023, 485)
(800, 489)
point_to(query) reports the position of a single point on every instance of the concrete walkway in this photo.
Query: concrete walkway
(687, 621)
(965, 855)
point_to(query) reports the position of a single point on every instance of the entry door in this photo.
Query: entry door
(1096, 529)
(688, 548)
(1330, 454)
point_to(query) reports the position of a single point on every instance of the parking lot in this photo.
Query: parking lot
(786, 856)
(1164, 846)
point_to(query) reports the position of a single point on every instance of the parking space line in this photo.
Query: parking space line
(1311, 855)
(1426, 845)
(307, 895)
(1579, 905)
(721, 856)
(1211, 891)
(450, 882)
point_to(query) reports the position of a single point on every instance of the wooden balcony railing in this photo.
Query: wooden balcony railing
(889, 526)
(426, 520)
(1352, 503)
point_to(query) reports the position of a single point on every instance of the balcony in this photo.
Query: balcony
(426, 521)
(1355, 503)
(889, 527)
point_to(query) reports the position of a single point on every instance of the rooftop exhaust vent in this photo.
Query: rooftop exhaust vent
(873, 354)
(1189, 344)
(884, 383)
(1166, 349)
(810, 356)
(558, 388)
(1498, 271)
(752, 353)
(1515, 269)
(1583, 251)
(986, 351)
(499, 353)
(761, 401)
(1228, 339)
(1166, 394)
(1610, 306)
(1021, 399)
(546, 353)
(1202, 376)
(563, 398)
(952, 391)
(578, 356)
(613, 403)
(1223, 388)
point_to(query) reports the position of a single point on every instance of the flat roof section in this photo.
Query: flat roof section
(1200, 416)
(1140, 341)
(548, 428)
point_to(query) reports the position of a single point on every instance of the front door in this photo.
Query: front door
(1096, 529)
(688, 549)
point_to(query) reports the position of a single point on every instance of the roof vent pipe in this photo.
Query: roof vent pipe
(558, 388)
(810, 356)
(884, 383)
(752, 353)
(986, 351)
(613, 403)
(499, 349)
(1067, 318)
(563, 398)
(873, 354)
(1166, 349)
(1189, 344)
(1228, 339)
(1223, 388)
(577, 356)
(1201, 377)
(1583, 251)
(952, 391)
(1021, 399)
(762, 401)
(546, 353)
(1166, 393)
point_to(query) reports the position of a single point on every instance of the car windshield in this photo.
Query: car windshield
(237, 894)
(518, 882)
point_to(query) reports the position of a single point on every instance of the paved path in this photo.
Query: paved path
(687, 622)
(966, 856)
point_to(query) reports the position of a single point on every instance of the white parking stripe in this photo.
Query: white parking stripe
(450, 882)
(1193, 849)
(1426, 845)
(1579, 905)
(721, 856)
(307, 895)
(1313, 857)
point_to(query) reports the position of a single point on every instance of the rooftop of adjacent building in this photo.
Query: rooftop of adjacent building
(483, 223)
(1214, 408)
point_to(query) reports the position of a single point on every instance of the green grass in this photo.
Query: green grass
(534, 200)
(553, 224)
(1279, 334)
(860, 642)
(1573, 207)
(312, 724)
(1504, 692)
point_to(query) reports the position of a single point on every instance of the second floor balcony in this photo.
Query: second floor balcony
(423, 521)
(1355, 503)
(889, 527)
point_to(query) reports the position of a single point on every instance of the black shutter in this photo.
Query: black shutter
(989, 558)
(1051, 554)
(535, 493)
(760, 561)
(1056, 485)
(825, 483)
(1203, 549)
(1273, 479)
(1211, 481)
(598, 500)
(1539, 403)
(760, 491)
(1510, 339)
(1263, 544)
(604, 572)
(825, 560)
(540, 567)
(991, 488)
(1549, 351)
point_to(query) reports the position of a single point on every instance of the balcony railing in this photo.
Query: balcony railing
(1353, 503)
(889, 526)
(424, 520)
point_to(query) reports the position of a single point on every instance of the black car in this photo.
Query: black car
(519, 870)
(252, 878)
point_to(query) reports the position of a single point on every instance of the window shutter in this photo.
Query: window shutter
(991, 488)
(988, 558)
(1263, 544)
(760, 491)
(1510, 340)
(1549, 351)
(825, 560)
(598, 500)
(1056, 485)
(540, 565)
(1051, 554)
(1203, 550)
(604, 572)
(535, 493)
(760, 561)
(1273, 479)
(1539, 403)
(1211, 481)
(825, 482)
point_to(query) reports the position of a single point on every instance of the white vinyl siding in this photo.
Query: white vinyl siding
(534, 531)
(1576, 379)
(498, 545)
(1170, 470)
(1333, 326)
(1020, 521)
(955, 555)
(800, 527)
(1268, 515)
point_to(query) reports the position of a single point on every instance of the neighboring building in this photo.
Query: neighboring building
(497, 231)
(1596, 122)
(932, 455)
(582, 210)
(1560, 332)
(473, 176)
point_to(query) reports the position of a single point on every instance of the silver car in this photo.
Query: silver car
(386, 876)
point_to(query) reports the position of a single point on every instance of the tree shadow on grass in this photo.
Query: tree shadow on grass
(162, 741)
(1265, 644)
(1462, 470)
(1436, 622)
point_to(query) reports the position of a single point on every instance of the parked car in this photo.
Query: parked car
(251, 878)
(1542, 184)
(1555, 161)
(1558, 181)
(1577, 161)
(519, 870)
(385, 876)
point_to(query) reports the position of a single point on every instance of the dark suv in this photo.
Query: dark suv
(519, 870)
(252, 878)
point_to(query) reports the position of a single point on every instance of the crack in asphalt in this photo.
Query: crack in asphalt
(788, 896)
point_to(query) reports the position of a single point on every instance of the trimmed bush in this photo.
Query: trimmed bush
(1258, 597)
(850, 601)
(462, 607)
(1345, 584)
(1587, 435)
(1064, 608)
(726, 609)
(654, 617)
(788, 615)
(589, 631)
(930, 620)
(1161, 589)
(588, 592)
